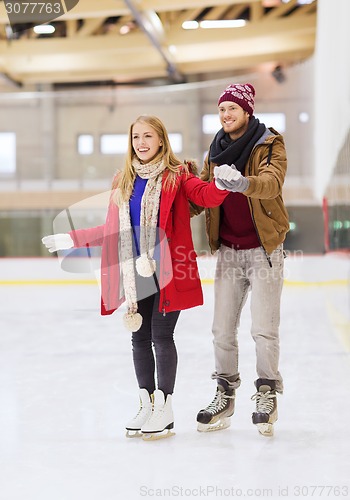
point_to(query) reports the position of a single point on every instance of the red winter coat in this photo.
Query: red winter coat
(180, 286)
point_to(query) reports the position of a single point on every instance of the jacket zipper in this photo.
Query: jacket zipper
(268, 258)
(161, 266)
(257, 232)
(108, 274)
(165, 301)
(164, 297)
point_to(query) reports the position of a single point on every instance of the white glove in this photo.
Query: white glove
(56, 242)
(228, 177)
(227, 173)
(224, 172)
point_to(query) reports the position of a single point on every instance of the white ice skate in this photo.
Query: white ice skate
(161, 420)
(133, 428)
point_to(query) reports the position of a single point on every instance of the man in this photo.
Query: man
(248, 231)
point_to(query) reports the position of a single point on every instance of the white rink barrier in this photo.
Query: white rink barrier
(332, 268)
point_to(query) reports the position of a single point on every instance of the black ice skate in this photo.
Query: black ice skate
(266, 406)
(216, 415)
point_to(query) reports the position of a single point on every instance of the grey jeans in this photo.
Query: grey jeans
(237, 273)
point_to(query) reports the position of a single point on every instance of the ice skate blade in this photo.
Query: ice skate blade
(265, 429)
(130, 433)
(216, 426)
(155, 436)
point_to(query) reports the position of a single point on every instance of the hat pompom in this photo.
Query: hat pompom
(132, 321)
(145, 266)
(251, 88)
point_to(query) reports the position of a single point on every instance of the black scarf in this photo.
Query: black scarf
(224, 150)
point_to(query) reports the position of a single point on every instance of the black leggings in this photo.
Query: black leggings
(158, 330)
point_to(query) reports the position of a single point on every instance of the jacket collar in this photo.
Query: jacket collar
(268, 136)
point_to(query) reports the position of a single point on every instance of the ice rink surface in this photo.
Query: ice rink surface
(67, 388)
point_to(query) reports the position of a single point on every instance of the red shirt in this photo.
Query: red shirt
(236, 225)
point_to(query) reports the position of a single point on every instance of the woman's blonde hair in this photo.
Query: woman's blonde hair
(125, 180)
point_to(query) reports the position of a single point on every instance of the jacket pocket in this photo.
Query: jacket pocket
(185, 275)
(275, 213)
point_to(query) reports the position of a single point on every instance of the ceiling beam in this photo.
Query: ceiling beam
(98, 44)
(252, 31)
(103, 58)
(109, 8)
(71, 27)
(235, 11)
(87, 55)
(90, 26)
(187, 15)
(281, 10)
(305, 9)
(162, 5)
(256, 12)
(84, 9)
(216, 13)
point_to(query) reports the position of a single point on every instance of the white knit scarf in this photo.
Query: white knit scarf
(145, 264)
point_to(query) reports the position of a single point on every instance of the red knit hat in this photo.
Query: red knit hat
(241, 94)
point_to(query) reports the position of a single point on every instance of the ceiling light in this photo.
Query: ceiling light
(304, 117)
(125, 29)
(190, 25)
(223, 23)
(220, 23)
(300, 2)
(44, 29)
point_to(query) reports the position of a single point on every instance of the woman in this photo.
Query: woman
(148, 220)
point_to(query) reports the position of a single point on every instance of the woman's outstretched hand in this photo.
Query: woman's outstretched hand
(55, 242)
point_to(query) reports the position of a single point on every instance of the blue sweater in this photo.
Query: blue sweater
(135, 212)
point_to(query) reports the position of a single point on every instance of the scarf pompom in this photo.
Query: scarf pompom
(132, 321)
(145, 266)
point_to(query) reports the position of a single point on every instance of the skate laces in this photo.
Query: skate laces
(219, 402)
(264, 401)
(143, 409)
(158, 411)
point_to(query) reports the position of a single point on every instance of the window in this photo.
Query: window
(85, 144)
(118, 143)
(114, 144)
(7, 153)
(275, 120)
(176, 142)
(211, 124)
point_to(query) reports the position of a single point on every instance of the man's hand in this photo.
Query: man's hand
(229, 178)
